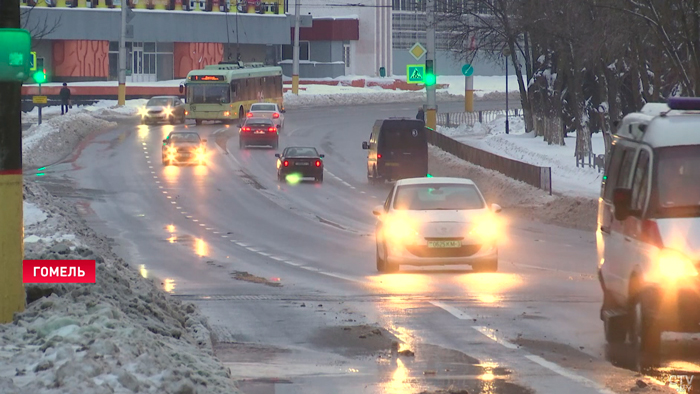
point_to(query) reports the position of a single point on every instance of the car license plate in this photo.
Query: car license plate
(303, 163)
(392, 164)
(259, 132)
(444, 244)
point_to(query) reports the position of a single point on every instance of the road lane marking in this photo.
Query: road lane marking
(339, 276)
(277, 258)
(452, 310)
(568, 374)
(491, 333)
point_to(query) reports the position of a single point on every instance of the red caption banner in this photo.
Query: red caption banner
(59, 271)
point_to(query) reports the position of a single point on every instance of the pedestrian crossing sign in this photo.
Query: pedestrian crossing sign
(415, 73)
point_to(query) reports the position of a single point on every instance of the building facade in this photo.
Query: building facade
(78, 40)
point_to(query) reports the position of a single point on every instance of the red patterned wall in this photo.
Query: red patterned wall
(80, 58)
(193, 56)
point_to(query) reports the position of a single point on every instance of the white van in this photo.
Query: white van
(648, 234)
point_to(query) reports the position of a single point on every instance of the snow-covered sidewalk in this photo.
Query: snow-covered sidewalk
(566, 177)
(120, 335)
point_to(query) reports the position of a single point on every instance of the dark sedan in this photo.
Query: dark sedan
(258, 131)
(163, 109)
(303, 162)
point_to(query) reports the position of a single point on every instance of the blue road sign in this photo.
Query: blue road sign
(468, 70)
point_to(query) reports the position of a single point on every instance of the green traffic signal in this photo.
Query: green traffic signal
(40, 77)
(429, 79)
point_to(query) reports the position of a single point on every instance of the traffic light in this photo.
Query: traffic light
(429, 79)
(40, 76)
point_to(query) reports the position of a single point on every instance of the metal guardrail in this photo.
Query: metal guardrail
(540, 177)
(454, 119)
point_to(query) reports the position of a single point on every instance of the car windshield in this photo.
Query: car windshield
(158, 102)
(184, 137)
(301, 152)
(678, 176)
(437, 197)
(208, 94)
(263, 107)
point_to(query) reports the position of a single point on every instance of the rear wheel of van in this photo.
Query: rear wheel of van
(645, 333)
(372, 179)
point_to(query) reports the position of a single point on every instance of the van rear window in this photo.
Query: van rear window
(408, 139)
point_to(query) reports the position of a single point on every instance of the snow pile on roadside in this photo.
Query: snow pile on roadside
(55, 139)
(119, 335)
(341, 95)
(102, 108)
(518, 197)
(524, 147)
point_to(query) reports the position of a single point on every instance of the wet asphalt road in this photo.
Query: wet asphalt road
(286, 273)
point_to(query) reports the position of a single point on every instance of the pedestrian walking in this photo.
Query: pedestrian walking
(65, 99)
(420, 115)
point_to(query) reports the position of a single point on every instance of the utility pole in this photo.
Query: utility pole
(295, 65)
(12, 294)
(431, 112)
(506, 53)
(121, 100)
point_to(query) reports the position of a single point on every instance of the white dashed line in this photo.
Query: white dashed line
(491, 333)
(173, 202)
(202, 224)
(216, 232)
(224, 236)
(252, 249)
(568, 374)
(339, 276)
(292, 263)
(243, 245)
(276, 258)
(452, 310)
(264, 254)
(178, 207)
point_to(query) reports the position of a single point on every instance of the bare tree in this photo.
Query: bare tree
(38, 27)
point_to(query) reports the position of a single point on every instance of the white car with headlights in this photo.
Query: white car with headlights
(437, 221)
(181, 147)
(163, 109)
(648, 232)
(267, 110)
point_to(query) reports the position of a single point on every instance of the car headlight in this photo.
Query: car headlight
(172, 150)
(398, 230)
(673, 264)
(143, 111)
(486, 229)
(168, 111)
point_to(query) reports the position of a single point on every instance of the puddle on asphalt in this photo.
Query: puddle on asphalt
(677, 365)
(384, 366)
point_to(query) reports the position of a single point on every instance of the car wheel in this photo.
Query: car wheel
(319, 178)
(198, 122)
(275, 144)
(172, 120)
(381, 267)
(241, 144)
(241, 116)
(280, 177)
(488, 266)
(372, 179)
(183, 119)
(165, 162)
(645, 334)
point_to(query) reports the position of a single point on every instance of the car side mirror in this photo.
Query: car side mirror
(378, 210)
(277, 155)
(622, 199)
(365, 145)
(496, 208)
(204, 140)
(165, 141)
(322, 155)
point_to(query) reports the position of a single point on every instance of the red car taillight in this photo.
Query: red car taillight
(272, 129)
(249, 114)
(318, 163)
(245, 128)
(379, 155)
(286, 163)
(276, 115)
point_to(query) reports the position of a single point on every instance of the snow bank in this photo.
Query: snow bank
(323, 95)
(517, 197)
(566, 177)
(101, 108)
(56, 138)
(119, 335)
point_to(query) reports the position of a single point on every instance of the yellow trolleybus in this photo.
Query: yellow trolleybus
(225, 92)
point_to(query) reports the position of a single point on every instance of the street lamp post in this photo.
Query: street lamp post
(506, 53)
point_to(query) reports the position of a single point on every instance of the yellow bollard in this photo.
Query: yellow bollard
(12, 294)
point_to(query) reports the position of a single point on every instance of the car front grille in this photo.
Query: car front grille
(424, 251)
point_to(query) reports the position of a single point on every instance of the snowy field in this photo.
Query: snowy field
(566, 177)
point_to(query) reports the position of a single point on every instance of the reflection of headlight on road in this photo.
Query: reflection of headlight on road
(168, 111)
(398, 230)
(487, 229)
(675, 265)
